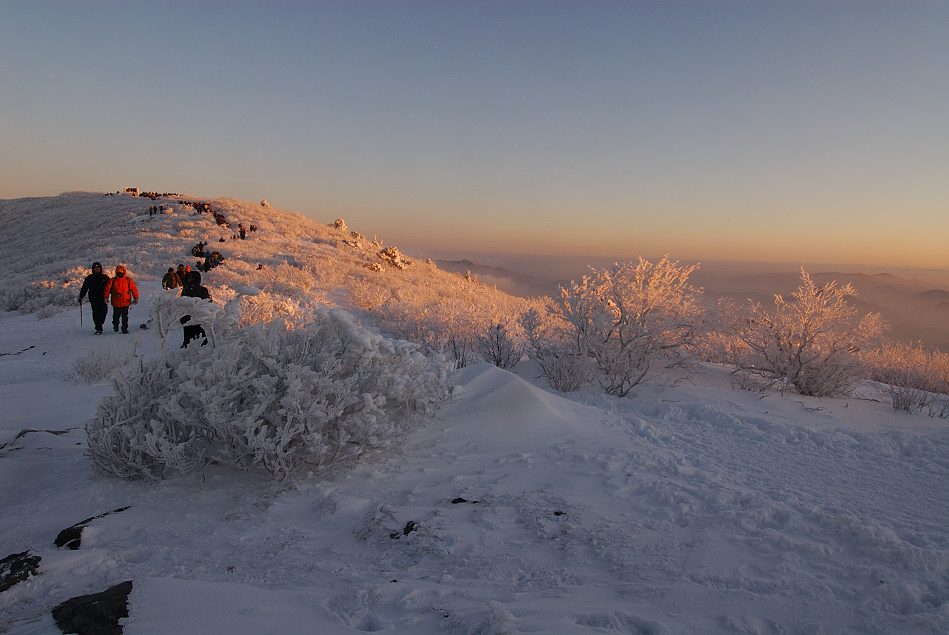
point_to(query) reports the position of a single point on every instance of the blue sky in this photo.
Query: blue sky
(811, 131)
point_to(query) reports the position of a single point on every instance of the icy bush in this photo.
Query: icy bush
(628, 317)
(918, 378)
(560, 364)
(498, 347)
(810, 342)
(267, 397)
(98, 364)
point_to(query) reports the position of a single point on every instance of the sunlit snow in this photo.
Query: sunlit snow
(689, 507)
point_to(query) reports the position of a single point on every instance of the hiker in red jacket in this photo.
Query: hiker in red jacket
(121, 290)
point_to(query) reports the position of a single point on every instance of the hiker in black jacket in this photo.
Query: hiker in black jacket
(94, 286)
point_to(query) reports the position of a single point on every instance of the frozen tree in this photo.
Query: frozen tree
(809, 342)
(629, 316)
(498, 347)
(561, 364)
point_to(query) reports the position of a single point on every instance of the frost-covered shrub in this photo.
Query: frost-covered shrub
(298, 283)
(48, 297)
(48, 311)
(498, 347)
(917, 377)
(627, 317)
(367, 293)
(265, 308)
(98, 363)
(558, 361)
(810, 342)
(267, 397)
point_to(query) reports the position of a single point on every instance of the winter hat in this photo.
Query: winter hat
(119, 269)
(97, 264)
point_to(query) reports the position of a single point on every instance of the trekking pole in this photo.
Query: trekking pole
(80, 311)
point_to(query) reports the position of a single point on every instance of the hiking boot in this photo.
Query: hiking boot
(125, 331)
(98, 331)
(115, 327)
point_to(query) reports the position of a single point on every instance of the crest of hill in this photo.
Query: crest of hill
(296, 262)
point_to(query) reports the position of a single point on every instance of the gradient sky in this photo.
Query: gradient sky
(793, 131)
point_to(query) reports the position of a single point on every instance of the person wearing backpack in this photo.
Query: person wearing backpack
(94, 285)
(122, 292)
(170, 280)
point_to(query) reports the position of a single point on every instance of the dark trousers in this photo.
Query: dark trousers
(99, 311)
(120, 312)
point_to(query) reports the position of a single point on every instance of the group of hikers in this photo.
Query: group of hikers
(121, 292)
(211, 258)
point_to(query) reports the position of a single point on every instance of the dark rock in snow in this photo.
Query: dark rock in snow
(95, 614)
(409, 528)
(17, 567)
(72, 536)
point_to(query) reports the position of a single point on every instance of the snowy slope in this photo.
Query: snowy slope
(688, 508)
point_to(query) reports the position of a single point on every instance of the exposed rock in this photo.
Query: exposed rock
(72, 536)
(17, 567)
(95, 614)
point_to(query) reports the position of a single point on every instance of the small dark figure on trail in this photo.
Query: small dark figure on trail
(123, 293)
(240, 230)
(94, 285)
(212, 260)
(192, 288)
(170, 280)
(181, 274)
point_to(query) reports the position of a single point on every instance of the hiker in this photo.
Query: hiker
(123, 293)
(192, 289)
(170, 280)
(240, 230)
(94, 285)
(183, 271)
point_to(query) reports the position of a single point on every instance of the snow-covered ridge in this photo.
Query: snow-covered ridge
(687, 508)
(53, 241)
